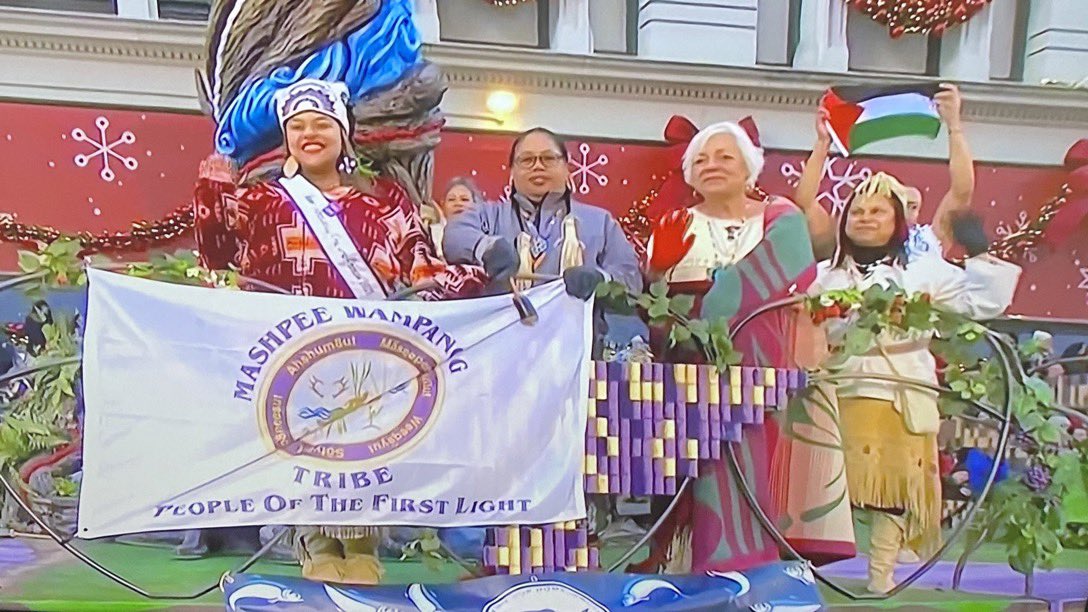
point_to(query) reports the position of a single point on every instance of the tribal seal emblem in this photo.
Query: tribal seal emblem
(352, 394)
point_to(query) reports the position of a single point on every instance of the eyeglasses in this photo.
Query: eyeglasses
(548, 160)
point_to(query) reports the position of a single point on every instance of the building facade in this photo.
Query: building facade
(573, 62)
(608, 73)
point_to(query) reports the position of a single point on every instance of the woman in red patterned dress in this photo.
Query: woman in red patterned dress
(260, 229)
(320, 229)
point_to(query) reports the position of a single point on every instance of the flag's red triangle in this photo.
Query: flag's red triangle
(842, 115)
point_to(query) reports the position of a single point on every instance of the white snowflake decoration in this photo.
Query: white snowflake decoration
(586, 170)
(1084, 283)
(503, 196)
(1005, 229)
(104, 149)
(842, 182)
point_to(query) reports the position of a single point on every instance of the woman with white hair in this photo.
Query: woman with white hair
(733, 251)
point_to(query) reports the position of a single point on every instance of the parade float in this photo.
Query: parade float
(644, 425)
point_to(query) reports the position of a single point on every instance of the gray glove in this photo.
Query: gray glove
(968, 232)
(582, 281)
(500, 261)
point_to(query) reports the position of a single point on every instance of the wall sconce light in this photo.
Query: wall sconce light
(502, 103)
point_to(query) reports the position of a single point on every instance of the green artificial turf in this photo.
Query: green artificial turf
(1069, 558)
(70, 585)
(929, 599)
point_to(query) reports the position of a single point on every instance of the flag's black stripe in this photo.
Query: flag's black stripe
(860, 93)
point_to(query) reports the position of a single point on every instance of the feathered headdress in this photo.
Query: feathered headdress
(882, 184)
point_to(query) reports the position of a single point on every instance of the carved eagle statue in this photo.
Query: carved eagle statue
(256, 47)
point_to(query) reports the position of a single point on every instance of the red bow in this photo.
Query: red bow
(674, 191)
(749, 126)
(1069, 218)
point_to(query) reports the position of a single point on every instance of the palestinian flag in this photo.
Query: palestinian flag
(861, 115)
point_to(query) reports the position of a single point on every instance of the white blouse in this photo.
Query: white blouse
(923, 242)
(983, 289)
(438, 231)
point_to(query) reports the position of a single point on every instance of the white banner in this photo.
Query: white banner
(212, 408)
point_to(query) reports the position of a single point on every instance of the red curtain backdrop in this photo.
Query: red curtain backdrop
(94, 169)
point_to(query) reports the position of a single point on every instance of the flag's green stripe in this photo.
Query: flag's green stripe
(893, 126)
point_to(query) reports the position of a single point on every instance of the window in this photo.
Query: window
(1008, 60)
(521, 25)
(872, 49)
(80, 6)
(185, 10)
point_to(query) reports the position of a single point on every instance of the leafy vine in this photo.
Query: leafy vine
(673, 313)
(43, 417)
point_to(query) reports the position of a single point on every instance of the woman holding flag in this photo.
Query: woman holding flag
(322, 229)
(889, 430)
(893, 112)
(734, 251)
(853, 117)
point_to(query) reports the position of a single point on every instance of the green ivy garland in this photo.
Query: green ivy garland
(673, 313)
(1024, 513)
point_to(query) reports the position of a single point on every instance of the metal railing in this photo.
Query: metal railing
(1001, 419)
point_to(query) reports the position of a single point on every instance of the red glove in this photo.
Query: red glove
(671, 240)
(947, 463)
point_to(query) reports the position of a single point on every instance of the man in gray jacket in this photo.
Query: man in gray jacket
(542, 230)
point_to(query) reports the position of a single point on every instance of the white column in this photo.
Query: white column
(426, 18)
(822, 46)
(1057, 41)
(965, 49)
(573, 33)
(138, 9)
(708, 32)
